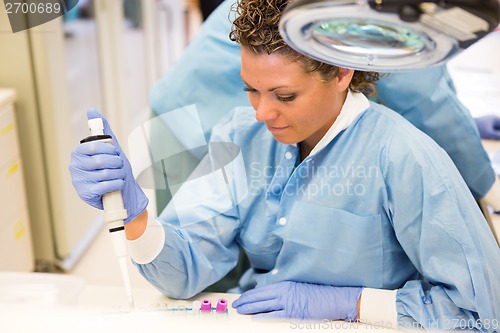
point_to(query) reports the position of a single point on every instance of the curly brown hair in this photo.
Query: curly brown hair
(256, 28)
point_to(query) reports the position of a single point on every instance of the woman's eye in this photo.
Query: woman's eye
(286, 99)
(248, 89)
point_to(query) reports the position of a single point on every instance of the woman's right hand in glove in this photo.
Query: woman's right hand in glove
(98, 168)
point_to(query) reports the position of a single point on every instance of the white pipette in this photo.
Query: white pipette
(114, 213)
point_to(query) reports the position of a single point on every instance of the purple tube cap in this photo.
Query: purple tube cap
(221, 306)
(206, 306)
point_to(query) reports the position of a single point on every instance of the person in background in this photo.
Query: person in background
(427, 98)
(352, 212)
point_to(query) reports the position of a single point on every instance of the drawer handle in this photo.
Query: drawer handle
(13, 169)
(7, 129)
(19, 229)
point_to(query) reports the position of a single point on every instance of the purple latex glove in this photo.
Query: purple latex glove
(98, 168)
(301, 301)
(489, 127)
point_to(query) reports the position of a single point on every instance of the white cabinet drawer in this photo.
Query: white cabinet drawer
(15, 240)
(9, 146)
(12, 197)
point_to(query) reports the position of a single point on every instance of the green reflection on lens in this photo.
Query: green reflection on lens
(368, 34)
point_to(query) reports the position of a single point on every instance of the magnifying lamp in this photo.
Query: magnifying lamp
(386, 35)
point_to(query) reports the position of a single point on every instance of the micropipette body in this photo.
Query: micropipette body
(114, 213)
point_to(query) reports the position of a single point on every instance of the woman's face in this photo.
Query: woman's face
(296, 106)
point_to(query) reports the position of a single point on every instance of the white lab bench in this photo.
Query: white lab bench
(93, 309)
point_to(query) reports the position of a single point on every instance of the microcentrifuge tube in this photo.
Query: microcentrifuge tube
(196, 306)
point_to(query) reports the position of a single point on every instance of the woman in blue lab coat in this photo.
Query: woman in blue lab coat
(425, 97)
(345, 210)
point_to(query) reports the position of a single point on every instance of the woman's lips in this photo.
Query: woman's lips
(276, 129)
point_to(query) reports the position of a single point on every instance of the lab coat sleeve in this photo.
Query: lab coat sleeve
(427, 98)
(378, 308)
(441, 229)
(148, 246)
(193, 257)
(199, 246)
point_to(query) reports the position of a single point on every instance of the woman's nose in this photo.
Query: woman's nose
(265, 111)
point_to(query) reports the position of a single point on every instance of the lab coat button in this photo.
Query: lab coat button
(288, 155)
(282, 221)
(274, 271)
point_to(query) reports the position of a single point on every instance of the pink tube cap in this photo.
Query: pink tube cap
(206, 306)
(221, 306)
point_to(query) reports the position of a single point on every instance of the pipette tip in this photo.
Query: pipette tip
(131, 302)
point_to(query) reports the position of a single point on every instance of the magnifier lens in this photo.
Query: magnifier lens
(364, 37)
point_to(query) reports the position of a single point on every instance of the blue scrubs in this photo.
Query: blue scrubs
(380, 206)
(207, 75)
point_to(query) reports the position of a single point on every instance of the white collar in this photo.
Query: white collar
(355, 104)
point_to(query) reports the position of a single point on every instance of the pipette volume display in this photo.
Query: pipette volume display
(114, 212)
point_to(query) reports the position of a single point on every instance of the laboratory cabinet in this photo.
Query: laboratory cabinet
(16, 249)
(105, 54)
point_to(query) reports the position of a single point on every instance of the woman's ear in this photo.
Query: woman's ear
(344, 78)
